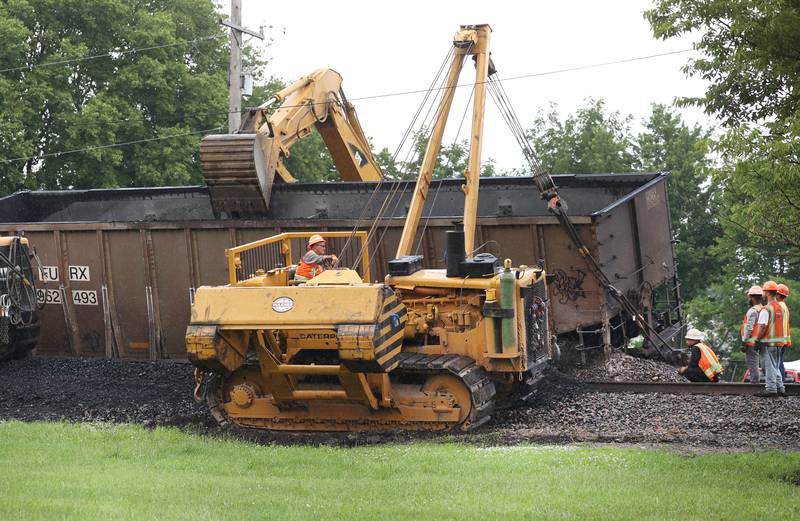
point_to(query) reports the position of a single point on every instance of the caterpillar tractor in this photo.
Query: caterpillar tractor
(427, 349)
(240, 168)
(19, 326)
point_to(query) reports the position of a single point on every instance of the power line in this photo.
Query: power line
(377, 96)
(421, 91)
(512, 78)
(111, 145)
(533, 75)
(111, 54)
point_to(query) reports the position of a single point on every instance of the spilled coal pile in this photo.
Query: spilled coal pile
(619, 367)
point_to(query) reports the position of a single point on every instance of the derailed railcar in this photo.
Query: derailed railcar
(119, 267)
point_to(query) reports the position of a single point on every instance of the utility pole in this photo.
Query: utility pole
(235, 67)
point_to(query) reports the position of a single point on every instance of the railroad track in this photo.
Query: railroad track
(684, 388)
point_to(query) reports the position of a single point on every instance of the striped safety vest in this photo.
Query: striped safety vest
(778, 325)
(308, 271)
(753, 338)
(788, 326)
(709, 363)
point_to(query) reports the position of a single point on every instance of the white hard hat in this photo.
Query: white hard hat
(314, 239)
(755, 290)
(695, 334)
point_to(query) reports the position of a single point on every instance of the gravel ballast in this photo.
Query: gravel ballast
(619, 367)
(561, 410)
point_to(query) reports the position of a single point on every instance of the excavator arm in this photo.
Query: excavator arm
(240, 168)
(314, 101)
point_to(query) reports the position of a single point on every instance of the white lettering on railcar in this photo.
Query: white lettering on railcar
(79, 273)
(48, 273)
(84, 297)
(48, 296)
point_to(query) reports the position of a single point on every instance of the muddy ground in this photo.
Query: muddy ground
(561, 410)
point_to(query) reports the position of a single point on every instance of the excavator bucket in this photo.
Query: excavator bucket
(230, 165)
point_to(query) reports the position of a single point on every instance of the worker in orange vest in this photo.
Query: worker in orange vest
(750, 331)
(782, 293)
(703, 363)
(314, 260)
(773, 325)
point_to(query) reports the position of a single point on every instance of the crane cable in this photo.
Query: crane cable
(549, 192)
(395, 196)
(396, 182)
(427, 124)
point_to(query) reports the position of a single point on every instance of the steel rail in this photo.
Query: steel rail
(684, 388)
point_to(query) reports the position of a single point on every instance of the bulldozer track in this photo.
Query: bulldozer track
(482, 391)
(481, 388)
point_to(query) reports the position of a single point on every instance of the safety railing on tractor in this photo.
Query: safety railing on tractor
(278, 251)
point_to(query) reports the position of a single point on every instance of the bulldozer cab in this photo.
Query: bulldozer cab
(273, 261)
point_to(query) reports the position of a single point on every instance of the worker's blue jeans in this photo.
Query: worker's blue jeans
(772, 369)
(752, 356)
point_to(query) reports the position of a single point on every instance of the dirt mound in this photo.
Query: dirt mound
(619, 367)
(560, 409)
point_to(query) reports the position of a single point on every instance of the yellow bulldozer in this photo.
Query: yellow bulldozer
(425, 349)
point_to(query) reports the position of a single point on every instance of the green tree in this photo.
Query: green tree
(751, 59)
(451, 162)
(751, 54)
(163, 83)
(760, 178)
(389, 167)
(591, 140)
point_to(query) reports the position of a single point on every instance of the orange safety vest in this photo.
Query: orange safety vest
(778, 325)
(753, 338)
(788, 335)
(308, 271)
(709, 363)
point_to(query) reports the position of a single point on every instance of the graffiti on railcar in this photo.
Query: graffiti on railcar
(567, 288)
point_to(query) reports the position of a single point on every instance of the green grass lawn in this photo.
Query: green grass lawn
(108, 472)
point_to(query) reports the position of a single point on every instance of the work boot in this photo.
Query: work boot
(766, 394)
(781, 392)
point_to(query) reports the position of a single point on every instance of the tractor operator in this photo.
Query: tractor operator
(314, 261)
(703, 364)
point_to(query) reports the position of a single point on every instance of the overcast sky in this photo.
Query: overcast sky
(388, 47)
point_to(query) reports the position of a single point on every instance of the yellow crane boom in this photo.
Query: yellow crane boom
(469, 40)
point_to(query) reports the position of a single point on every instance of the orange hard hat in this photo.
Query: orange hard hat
(783, 289)
(755, 290)
(316, 238)
(770, 285)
